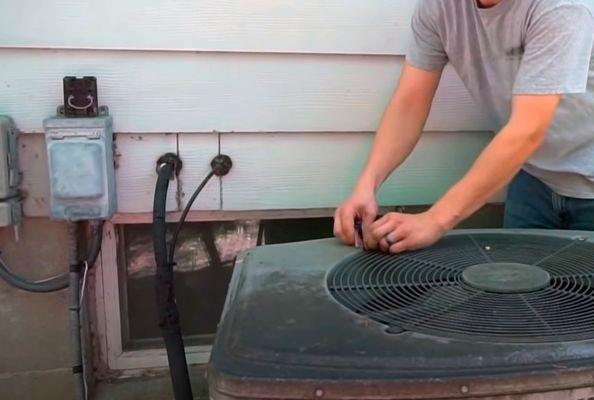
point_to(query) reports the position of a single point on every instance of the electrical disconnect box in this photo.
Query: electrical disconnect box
(10, 177)
(81, 167)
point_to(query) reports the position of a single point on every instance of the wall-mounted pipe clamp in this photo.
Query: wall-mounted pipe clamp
(173, 159)
(221, 165)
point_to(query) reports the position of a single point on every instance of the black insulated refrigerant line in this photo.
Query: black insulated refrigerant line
(169, 166)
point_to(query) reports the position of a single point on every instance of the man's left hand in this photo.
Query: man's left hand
(397, 233)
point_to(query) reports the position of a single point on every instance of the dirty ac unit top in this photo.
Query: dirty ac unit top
(483, 313)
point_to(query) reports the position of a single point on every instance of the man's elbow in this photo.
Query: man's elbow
(525, 137)
(535, 136)
(529, 137)
(531, 118)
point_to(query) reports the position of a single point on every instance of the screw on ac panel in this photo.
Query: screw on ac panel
(319, 393)
(221, 165)
(170, 158)
(465, 389)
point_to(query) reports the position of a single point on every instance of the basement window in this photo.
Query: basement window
(205, 257)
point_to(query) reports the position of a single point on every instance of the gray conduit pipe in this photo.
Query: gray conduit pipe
(74, 311)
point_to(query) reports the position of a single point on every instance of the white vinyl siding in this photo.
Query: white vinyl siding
(292, 90)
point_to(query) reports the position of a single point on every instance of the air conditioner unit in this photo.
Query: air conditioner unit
(481, 315)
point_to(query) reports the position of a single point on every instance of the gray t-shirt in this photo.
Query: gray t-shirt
(522, 47)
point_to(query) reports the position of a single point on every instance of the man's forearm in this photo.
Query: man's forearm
(398, 134)
(502, 159)
(496, 166)
(401, 125)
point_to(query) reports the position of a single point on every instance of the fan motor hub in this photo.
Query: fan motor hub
(506, 277)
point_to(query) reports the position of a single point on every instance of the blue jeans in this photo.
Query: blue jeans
(533, 205)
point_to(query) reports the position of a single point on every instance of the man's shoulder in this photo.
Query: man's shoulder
(542, 7)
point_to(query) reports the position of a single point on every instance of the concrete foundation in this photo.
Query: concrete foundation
(34, 339)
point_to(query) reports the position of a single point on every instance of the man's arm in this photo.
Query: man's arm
(396, 137)
(401, 125)
(502, 159)
(496, 166)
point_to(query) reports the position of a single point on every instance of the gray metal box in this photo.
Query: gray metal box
(81, 167)
(10, 212)
(9, 174)
(10, 177)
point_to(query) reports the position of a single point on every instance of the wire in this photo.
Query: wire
(86, 387)
(74, 310)
(48, 285)
(165, 260)
(184, 215)
(82, 318)
(168, 314)
(58, 282)
(84, 284)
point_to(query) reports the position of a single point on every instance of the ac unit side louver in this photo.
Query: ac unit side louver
(488, 314)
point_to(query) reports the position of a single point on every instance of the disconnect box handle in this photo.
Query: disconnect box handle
(81, 108)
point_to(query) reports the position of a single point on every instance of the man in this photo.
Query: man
(527, 63)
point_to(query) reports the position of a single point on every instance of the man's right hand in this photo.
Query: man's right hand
(361, 204)
(397, 135)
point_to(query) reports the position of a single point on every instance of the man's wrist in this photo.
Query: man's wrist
(445, 217)
(367, 184)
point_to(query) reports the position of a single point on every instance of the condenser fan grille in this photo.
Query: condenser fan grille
(484, 287)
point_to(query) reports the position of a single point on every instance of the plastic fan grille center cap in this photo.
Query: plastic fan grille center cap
(506, 277)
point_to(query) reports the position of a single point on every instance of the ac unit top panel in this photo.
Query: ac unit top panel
(324, 312)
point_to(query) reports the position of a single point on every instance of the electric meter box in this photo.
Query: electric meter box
(80, 154)
(10, 176)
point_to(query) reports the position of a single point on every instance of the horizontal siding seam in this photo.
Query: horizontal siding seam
(202, 51)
